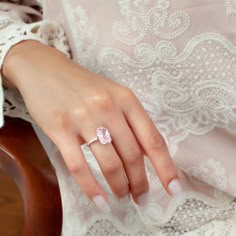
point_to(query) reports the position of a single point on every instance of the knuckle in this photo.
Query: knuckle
(134, 158)
(139, 185)
(81, 113)
(133, 151)
(103, 101)
(127, 94)
(61, 121)
(76, 168)
(90, 188)
(112, 167)
(156, 142)
(123, 190)
(167, 171)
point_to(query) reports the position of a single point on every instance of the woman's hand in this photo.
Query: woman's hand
(69, 103)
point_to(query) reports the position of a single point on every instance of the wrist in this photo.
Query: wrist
(13, 60)
(27, 61)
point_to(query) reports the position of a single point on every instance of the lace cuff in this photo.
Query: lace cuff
(47, 32)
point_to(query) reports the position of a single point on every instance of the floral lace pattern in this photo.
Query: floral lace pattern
(186, 83)
(230, 7)
(173, 227)
(213, 172)
(148, 17)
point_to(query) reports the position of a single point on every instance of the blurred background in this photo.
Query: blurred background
(11, 208)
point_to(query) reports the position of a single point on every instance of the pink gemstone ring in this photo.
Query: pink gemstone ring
(103, 136)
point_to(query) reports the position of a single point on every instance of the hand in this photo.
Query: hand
(69, 102)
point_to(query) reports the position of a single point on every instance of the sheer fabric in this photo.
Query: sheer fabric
(179, 58)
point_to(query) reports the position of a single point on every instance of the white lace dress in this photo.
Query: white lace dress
(179, 58)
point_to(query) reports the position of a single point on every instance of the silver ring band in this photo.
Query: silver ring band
(91, 141)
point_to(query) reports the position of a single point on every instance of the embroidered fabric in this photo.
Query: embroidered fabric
(230, 7)
(179, 58)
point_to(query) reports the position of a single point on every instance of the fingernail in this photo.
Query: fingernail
(142, 199)
(101, 204)
(175, 187)
(176, 191)
(125, 199)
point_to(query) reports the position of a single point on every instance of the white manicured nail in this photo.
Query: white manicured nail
(175, 187)
(125, 199)
(142, 200)
(176, 191)
(101, 203)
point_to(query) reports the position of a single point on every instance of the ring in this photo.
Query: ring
(103, 136)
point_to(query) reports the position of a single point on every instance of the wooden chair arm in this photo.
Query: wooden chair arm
(23, 159)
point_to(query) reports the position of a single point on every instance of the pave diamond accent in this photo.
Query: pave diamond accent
(103, 135)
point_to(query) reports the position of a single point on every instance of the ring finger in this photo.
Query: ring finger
(110, 164)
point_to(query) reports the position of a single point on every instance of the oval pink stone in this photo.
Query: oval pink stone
(103, 135)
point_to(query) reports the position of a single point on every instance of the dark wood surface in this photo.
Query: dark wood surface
(11, 208)
(23, 159)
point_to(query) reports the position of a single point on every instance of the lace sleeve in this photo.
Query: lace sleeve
(19, 21)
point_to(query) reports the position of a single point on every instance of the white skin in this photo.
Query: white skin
(69, 102)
